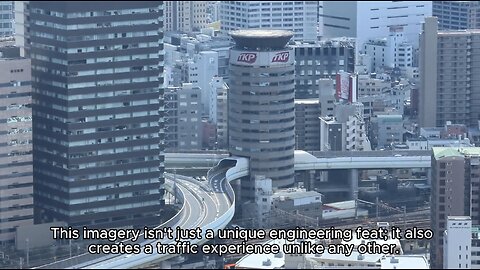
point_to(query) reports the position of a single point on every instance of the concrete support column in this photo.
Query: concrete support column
(311, 180)
(353, 181)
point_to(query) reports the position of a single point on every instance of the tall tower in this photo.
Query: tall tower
(97, 112)
(261, 105)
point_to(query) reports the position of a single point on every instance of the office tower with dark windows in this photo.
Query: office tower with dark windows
(315, 61)
(16, 181)
(261, 117)
(97, 112)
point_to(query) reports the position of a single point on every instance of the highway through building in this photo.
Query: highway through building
(211, 205)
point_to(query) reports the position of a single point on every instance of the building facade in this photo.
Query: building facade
(16, 165)
(457, 243)
(307, 124)
(457, 15)
(183, 125)
(97, 112)
(185, 16)
(367, 20)
(219, 111)
(7, 26)
(448, 88)
(325, 59)
(261, 107)
(300, 17)
(455, 192)
(394, 51)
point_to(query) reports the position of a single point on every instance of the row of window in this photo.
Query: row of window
(95, 25)
(94, 37)
(94, 13)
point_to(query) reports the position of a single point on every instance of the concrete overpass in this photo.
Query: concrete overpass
(212, 205)
(317, 160)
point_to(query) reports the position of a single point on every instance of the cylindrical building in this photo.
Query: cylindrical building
(261, 105)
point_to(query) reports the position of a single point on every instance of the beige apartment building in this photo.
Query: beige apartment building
(16, 180)
(455, 191)
(449, 91)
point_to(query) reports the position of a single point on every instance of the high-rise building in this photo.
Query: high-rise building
(261, 107)
(185, 16)
(97, 112)
(300, 17)
(457, 243)
(448, 88)
(16, 181)
(183, 125)
(320, 60)
(455, 180)
(307, 124)
(7, 27)
(457, 15)
(365, 20)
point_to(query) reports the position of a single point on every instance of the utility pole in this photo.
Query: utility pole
(404, 218)
(27, 242)
(376, 203)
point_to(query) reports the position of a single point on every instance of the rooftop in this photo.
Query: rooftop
(440, 152)
(259, 261)
(261, 38)
(296, 194)
(404, 262)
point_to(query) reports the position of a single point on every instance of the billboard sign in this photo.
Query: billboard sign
(262, 58)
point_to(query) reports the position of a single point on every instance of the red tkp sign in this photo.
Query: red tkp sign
(281, 57)
(247, 58)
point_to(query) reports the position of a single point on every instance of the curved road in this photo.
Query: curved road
(204, 203)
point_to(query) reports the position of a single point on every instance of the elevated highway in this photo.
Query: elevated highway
(317, 160)
(211, 205)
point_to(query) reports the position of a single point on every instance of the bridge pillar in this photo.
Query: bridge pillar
(353, 181)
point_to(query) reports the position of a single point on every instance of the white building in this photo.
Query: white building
(457, 243)
(218, 113)
(427, 144)
(372, 19)
(394, 51)
(198, 70)
(300, 17)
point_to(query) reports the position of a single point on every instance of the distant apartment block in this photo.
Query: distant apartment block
(392, 51)
(219, 110)
(457, 15)
(183, 125)
(448, 65)
(317, 60)
(307, 124)
(185, 16)
(16, 165)
(300, 17)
